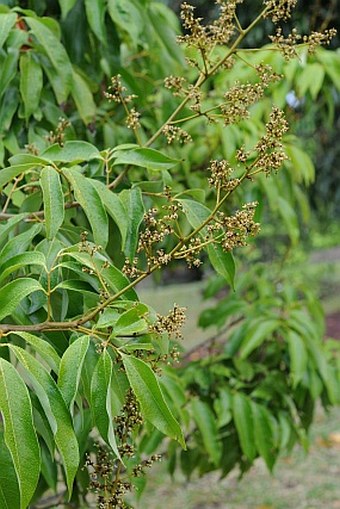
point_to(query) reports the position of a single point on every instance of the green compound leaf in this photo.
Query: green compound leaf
(56, 412)
(54, 211)
(148, 392)
(19, 433)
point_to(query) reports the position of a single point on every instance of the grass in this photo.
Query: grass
(299, 481)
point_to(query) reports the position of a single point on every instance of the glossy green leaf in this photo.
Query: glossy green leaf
(95, 13)
(133, 203)
(264, 436)
(223, 262)
(19, 433)
(54, 211)
(19, 261)
(195, 212)
(8, 226)
(206, 423)
(54, 50)
(128, 16)
(70, 369)
(72, 152)
(101, 400)
(298, 356)
(89, 199)
(56, 412)
(6, 23)
(9, 487)
(114, 207)
(43, 348)
(129, 323)
(19, 243)
(66, 6)
(8, 69)
(290, 219)
(146, 158)
(148, 392)
(31, 82)
(256, 335)
(243, 417)
(13, 293)
(83, 97)
(9, 173)
(27, 158)
(113, 276)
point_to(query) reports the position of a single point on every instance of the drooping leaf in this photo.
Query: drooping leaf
(133, 203)
(83, 97)
(298, 356)
(56, 412)
(101, 400)
(89, 199)
(70, 369)
(95, 13)
(12, 293)
(8, 69)
(19, 433)
(264, 436)
(290, 219)
(114, 207)
(243, 417)
(54, 50)
(206, 423)
(116, 280)
(9, 487)
(7, 21)
(223, 262)
(54, 211)
(31, 82)
(66, 6)
(43, 348)
(19, 243)
(146, 158)
(256, 335)
(148, 392)
(128, 16)
(21, 260)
